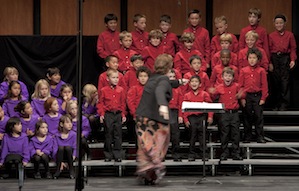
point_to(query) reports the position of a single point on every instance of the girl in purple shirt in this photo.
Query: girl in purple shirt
(54, 77)
(41, 149)
(14, 145)
(66, 146)
(3, 121)
(65, 95)
(52, 116)
(40, 95)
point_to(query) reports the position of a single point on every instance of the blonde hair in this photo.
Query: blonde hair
(37, 86)
(252, 34)
(156, 33)
(220, 19)
(110, 71)
(124, 34)
(226, 37)
(87, 92)
(69, 105)
(163, 63)
(9, 70)
(187, 37)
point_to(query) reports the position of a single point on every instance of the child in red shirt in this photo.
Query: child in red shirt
(108, 40)
(111, 109)
(140, 36)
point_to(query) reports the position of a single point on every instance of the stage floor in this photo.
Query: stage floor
(170, 183)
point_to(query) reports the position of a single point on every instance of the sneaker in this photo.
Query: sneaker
(37, 175)
(48, 175)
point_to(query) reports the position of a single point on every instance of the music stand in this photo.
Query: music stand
(204, 108)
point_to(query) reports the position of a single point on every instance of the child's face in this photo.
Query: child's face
(112, 25)
(67, 93)
(194, 19)
(227, 78)
(252, 59)
(67, 124)
(188, 45)
(253, 19)
(54, 107)
(137, 63)
(28, 109)
(142, 78)
(43, 91)
(140, 24)
(165, 26)
(113, 78)
(225, 58)
(43, 129)
(73, 110)
(126, 42)
(12, 77)
(17, 128)
(250, 41)
(221, 27)
(16, 90)
(171, 75)
(194, 84)
(113, 63)
(155, 41)
(279, 24)
(55, 78)
(224, 44)
(196, 64)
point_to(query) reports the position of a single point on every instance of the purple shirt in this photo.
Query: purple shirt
(71, 141)
(89, 110)
(53, 123)
(60, 101)
(9, 107)
(3, 124)
(15, 145)
(47, 146)
(4, 89)
(38, 107)
(55, 92)
(30, 124)
(85, 126)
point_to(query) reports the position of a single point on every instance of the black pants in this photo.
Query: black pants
(196, 133)
(175, 134)
(281, 78)
(44, 159)
(11, 159)
(113, 134)
(65, 153)
(95, 126)
(253, 115)
(229, 124)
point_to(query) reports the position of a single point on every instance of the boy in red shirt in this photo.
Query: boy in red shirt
(111, 109)
(254, 85)
(254, 17)
(125, 52)
(202, 37)
(154, 49)
(181, 59)
(221, 28)
(108, 40)
(170, 40)
(130, 77)
(194, 120)
(140, 36)
(229, 122)
(283, 56)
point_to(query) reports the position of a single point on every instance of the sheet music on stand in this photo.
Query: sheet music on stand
(203, 107)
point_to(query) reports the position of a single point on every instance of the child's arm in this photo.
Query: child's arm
(100, 47)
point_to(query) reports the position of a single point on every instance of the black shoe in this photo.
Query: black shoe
(56, 175)
(206, 158)
(223, 157)
(118, 160)
(177, 160)
(191, 159)
(49, 175)
(246, 141)
(261, 141)
(283, 108)
(237, 157)
(37, 175)
(107, 160)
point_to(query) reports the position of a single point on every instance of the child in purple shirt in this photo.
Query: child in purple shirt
(41, 149)
(14, 145)
(65, 95)
(52, 116)
(66, 146)
(54, 77)
(3, 121)
(40, 95)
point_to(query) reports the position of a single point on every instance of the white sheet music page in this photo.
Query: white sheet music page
(201, 106)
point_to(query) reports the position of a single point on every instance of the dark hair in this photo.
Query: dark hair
(196, 11)
(143, 69)
(165, 18)
(9, 93)
(20, 107)
(10, 124)
(228, 70)
(255, 51)
(224, 51)
(62, 120)
(136, 57)
(110, 17)
(67, 85)
(195, 77)
(38, 125)
(52, 71)
(280, 16)
(194, 56)
(108, 58)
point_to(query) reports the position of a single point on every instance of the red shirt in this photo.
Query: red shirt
(284, 43)
(134, 97)
(177, 98)
(216, 77)
(201, 96)
(150, 53)
(140, 40)
(124, 55)
(130, 78)
(103, 81)
(202, 41)
(227, 95)
(205, 81)
(215, 44)
(252, 80)
(243, 62)
(181, 60)
(262, 41)
(108, 42)
(111, 99)
(216, 59)
(171, 43)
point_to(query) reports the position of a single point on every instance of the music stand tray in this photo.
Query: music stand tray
(204, 108)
